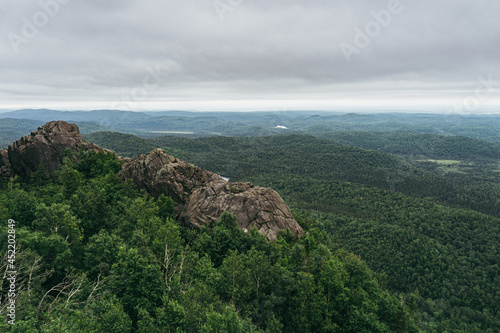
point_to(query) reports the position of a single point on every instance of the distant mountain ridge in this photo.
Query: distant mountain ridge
(151, 124)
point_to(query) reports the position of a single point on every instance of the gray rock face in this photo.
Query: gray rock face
(45, 147)
(203, 196)
(5, 170)
(257, 207)
(159, 173)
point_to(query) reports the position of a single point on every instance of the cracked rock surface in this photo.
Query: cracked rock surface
(203, 196)
(46, 146)
(253, 206)
(159, 173)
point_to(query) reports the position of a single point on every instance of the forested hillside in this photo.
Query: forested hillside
(378, 206)
(428, 229)
(299, 155)
(93, 254)
(13, 129)
(153, 124)
(421, 145)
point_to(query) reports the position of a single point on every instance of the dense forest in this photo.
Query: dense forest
(433, 238)
(94, 254)
(401, 218)
(419, 145)
(300, 155)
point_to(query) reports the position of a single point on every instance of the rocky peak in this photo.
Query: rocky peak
(45, 147)
(203, 196)
(159, 173)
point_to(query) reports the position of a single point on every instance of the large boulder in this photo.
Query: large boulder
(253, 206)
(43, 150)
(203, 196)
(159, 173)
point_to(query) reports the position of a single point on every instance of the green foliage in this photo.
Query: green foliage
(138, 282)
(58, 219)
(104, 315)
(71, 180)
(423, 145)
(99, 256)
(401, 218)
(94, 164)
(227, 322)
(101, 253)
(164, 277)
(224, 237)
(166, 207)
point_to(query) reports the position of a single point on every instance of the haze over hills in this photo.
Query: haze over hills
(232, 166)
(148, 124)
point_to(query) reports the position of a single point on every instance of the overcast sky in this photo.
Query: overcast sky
(250, 55)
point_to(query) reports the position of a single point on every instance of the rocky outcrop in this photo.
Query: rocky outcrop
(5, 170)
(203, 196)
(43, 150)
(257, 207)
(159, 173)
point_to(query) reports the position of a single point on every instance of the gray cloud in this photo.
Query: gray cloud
(263, 54)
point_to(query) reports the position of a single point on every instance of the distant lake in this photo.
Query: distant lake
(170, 132)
